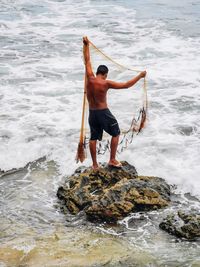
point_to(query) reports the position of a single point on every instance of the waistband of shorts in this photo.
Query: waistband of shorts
(98, 110)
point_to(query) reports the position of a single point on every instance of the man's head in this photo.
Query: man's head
(102, 70)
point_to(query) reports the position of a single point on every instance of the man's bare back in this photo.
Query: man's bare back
(96, 93)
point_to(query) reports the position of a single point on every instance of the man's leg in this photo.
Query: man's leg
(93, 153)
(110, 125)
(113, 150)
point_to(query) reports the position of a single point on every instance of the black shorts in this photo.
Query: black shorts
(102, 119)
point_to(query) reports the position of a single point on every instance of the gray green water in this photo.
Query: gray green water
(41, 86)
(34, 232)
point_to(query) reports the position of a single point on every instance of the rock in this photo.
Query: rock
(182, 225)
(110, 194)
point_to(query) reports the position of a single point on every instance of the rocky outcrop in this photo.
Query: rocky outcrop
(182, 225)
(110, 194)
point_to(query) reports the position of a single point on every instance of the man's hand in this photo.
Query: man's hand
(86, 54)
(143, 74)
(85, 40)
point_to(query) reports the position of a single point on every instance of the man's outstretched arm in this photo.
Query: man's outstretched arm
(125, 85)
(86, 54)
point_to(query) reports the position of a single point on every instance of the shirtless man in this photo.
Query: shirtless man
(100, 117)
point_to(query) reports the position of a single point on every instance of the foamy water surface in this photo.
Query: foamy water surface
(42, 82)
(41, 90)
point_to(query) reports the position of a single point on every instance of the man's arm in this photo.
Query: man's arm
(125, 85)
(86, 54)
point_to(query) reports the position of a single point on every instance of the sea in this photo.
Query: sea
(41, 94)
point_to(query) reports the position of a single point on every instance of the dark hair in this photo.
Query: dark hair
(102, 69)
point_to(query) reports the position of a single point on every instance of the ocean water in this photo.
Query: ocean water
(41, 73)
(41, 90)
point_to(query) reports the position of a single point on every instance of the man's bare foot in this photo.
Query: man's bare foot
(95, 167)
(114, 163)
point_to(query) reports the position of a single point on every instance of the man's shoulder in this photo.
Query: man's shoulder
(92, 78)
(109, 82)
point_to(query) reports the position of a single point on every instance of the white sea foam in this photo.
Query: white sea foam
(42, 86)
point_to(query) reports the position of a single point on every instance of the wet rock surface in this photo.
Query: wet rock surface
(109, 194)
(181, 224)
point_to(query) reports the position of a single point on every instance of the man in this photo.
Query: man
(100, 118)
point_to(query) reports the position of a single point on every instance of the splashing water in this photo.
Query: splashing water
(41, 73)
